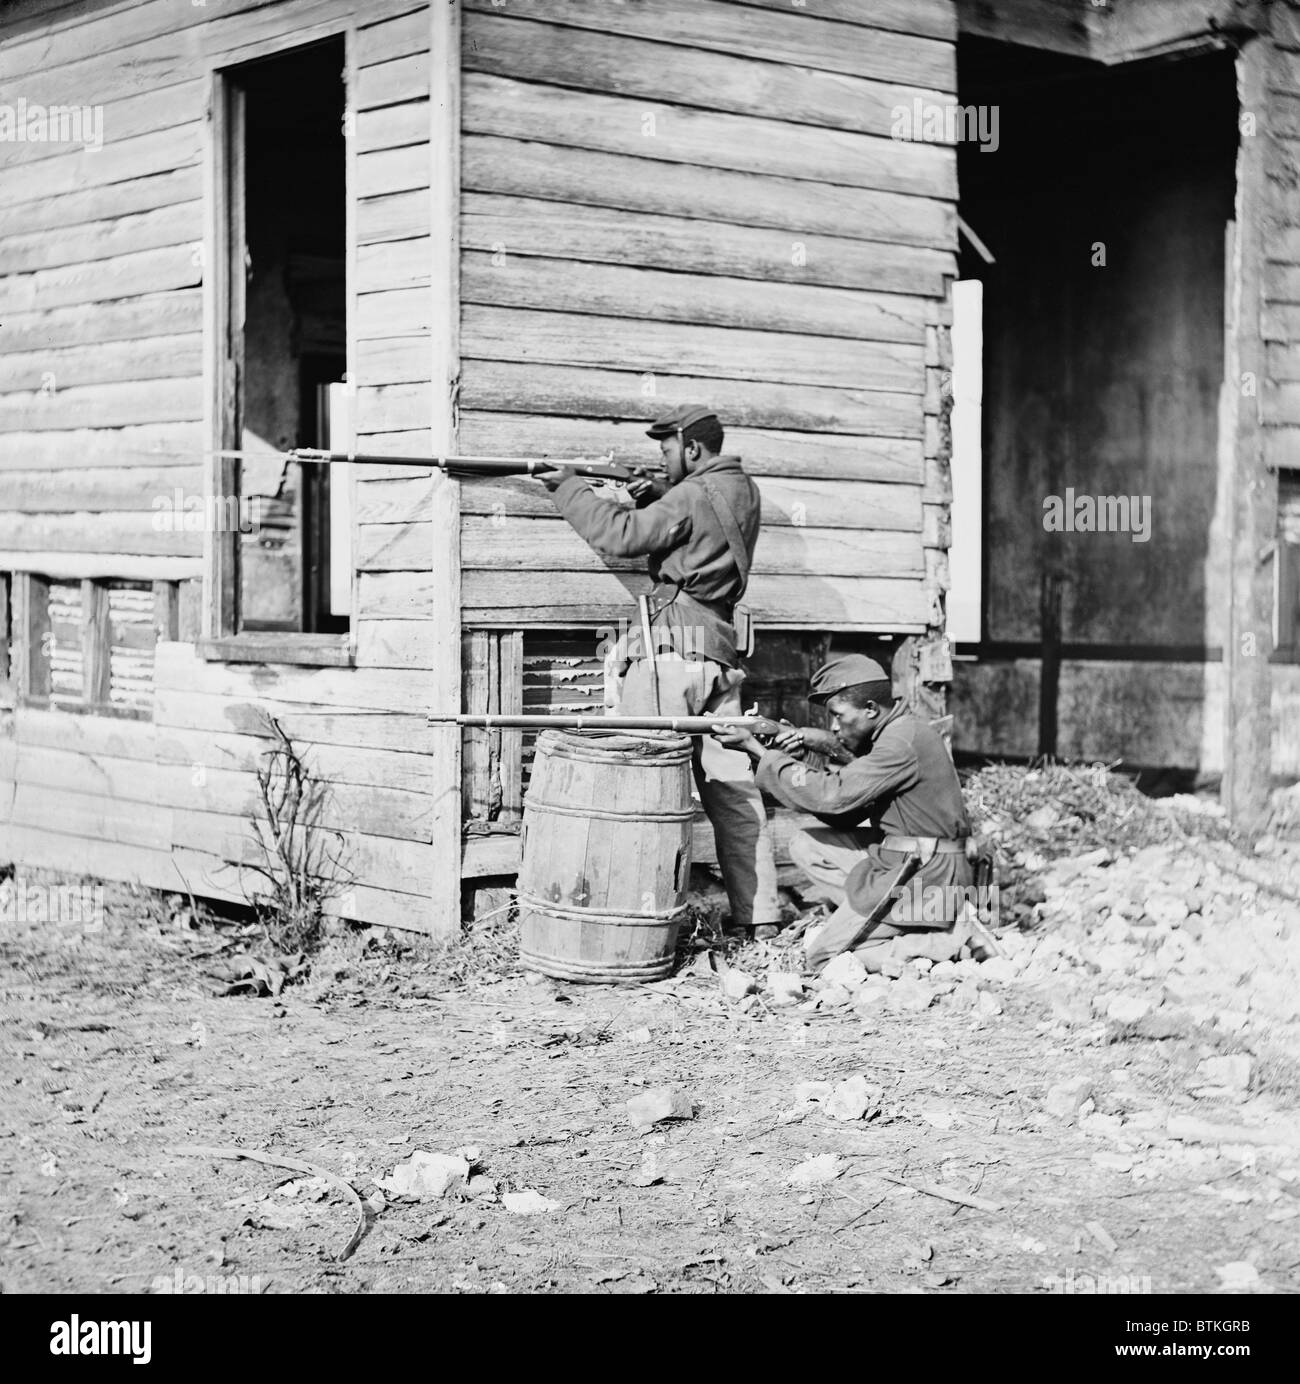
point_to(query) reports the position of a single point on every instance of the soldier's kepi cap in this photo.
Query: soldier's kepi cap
(683, 416)
(848, 670)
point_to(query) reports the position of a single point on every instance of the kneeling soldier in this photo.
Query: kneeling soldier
(900, 777)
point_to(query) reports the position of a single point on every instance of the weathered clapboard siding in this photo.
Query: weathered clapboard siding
(1279, 393)
(630, 175)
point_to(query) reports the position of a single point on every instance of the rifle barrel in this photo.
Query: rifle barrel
(475, 466)
(683, 725)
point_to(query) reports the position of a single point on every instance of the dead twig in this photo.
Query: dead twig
(297, 1165)
(931, 1189)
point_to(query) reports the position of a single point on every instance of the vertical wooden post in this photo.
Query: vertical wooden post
(166, 610)
(1049, 678)
(31, 637)
(96, 644)
(444, 247)
(512, 741)
(1252, 509)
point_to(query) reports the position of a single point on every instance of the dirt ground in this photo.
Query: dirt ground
(115, 1052)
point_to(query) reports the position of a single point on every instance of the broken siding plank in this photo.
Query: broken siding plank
(507, 109)
(613, 63)
(765, 451)
(561, 230)
(152, 358)
(518, 167)
(577, 339)
(692, 299)
(775, 36)
(509, 387)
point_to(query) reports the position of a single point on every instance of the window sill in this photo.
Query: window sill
(309, 650)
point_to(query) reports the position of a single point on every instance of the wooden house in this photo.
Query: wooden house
(523, 228)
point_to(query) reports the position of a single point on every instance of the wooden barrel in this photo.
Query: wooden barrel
(606, 854)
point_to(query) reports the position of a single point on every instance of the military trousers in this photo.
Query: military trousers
(724, 778)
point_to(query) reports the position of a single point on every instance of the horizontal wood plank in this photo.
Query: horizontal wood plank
(560, 230)
(81, 532)
(785, 36)
(654, 295)
(124, 276)
(134, 319)
(104, 406)
(528, 168)
(151, 358)
(507, 109)
(767, 451)
(146, 445)
(580, 339)
(510, 387)
(79, 489)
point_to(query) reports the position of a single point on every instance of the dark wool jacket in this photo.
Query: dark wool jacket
(905, 784)
(697, 583)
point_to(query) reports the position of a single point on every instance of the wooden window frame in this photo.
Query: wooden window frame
(223, 308)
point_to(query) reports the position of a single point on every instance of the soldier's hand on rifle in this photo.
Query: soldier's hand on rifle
(738, 738)
(790, 740)
(647, 486)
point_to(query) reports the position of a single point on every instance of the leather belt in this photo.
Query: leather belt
(925, 845)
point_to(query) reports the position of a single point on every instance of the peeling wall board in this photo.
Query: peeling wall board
(765, 451)
(654, 295)
(744, 144)
(681, 244)
(163, 357)
(791, 36)
(783, 358)
(501, 44)
(506, 386)
(134, 319)
(816, 503)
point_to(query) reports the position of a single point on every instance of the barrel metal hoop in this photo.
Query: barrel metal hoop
(640, 816)
(537, 904)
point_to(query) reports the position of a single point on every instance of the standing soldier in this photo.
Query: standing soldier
(698, 527)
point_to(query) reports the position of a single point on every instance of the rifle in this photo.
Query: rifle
(683, 725)
(466, 468)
